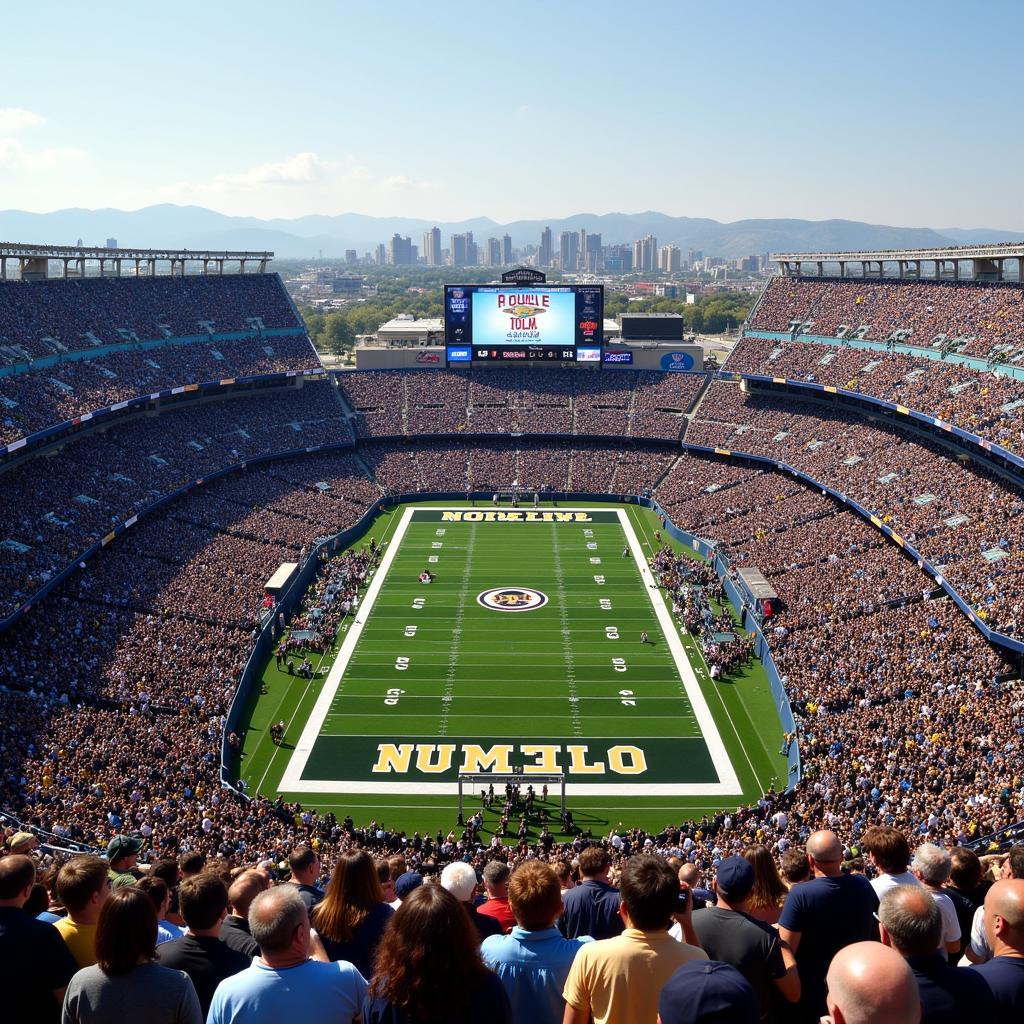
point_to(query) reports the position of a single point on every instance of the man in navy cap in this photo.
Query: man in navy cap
(407, 883)
(707, 992)
(729, 935)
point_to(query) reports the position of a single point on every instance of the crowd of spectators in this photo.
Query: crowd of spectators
(40, 398)
(54, 508)
(967, 521)
(976, 318)
(986, 403)
(115, 688)
(54, 317)
(153, 655)
(522, 465)
(421, 402)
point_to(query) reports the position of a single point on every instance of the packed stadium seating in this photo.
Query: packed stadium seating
(52, 509)
(56, 317)
(976, 317)
(641, 404)
(129, 671)
(73, 347)
(985, 403)
(961, 516)
(115, 685)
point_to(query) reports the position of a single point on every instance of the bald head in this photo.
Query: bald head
(244, 889)
(911, 920)
(869, 983)
(690, 874)
(1004, 917)
(826, 851)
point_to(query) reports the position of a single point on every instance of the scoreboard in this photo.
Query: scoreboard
(523, 323)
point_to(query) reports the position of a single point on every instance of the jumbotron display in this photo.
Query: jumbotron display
(521, 323)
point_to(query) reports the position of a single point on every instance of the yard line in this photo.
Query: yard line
(453, 654)
(567, 652)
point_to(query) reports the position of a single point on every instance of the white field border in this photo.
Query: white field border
(728, 784)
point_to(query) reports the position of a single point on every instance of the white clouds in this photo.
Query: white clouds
(301, 169)
(403, 183)
(14, 118)
(298, 184)
(15, 155)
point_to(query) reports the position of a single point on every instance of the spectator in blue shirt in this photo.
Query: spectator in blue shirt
(283, 983)
(533, 961)
(592, 907)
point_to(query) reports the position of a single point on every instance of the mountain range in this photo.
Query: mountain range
(195, 227)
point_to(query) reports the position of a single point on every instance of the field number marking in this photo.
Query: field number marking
(410, 630)
(611, 632)
(599, 580)
(626, 703)
(401, 664)
(393, 695)
(418, 603)
(619, 664)
(605, 603)
(595, 561)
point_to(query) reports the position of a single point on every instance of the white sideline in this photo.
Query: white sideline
(728, 784)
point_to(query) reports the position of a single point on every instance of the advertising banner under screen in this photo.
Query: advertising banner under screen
(524, 321)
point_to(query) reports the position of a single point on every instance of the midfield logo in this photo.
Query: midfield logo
(512, 599)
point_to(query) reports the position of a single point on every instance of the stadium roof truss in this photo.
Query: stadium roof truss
(987, 261)
(34, 260)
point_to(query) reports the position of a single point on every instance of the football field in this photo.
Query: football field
(540, 646)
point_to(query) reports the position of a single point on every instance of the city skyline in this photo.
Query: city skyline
(734, 131)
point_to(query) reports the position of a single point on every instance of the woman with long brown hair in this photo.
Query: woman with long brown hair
(351, 917)
(769, 893)
(429, 968)
(125, 984)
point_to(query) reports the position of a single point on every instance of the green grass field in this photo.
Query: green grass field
(524, 653)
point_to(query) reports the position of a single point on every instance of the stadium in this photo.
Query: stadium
(250, 603)
(173, 443)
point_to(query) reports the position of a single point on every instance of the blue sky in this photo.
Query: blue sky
(901, 112)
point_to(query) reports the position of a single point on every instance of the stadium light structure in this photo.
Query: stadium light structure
(34, 260)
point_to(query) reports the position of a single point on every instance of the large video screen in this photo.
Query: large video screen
(500, 323)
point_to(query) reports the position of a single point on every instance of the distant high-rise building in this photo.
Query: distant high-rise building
(645, 253)
(400, 251)
(581, 253)
(544, 254)
(568, 250)
(111, 243)
(464, 250)
(493, 252)
(670, 259)
(591, 259)
(350, 256)
(432, 247)
(618, 259)
(506, 251)
(381, 255)
(695, 255)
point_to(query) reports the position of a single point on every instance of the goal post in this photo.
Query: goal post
(485, 779)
